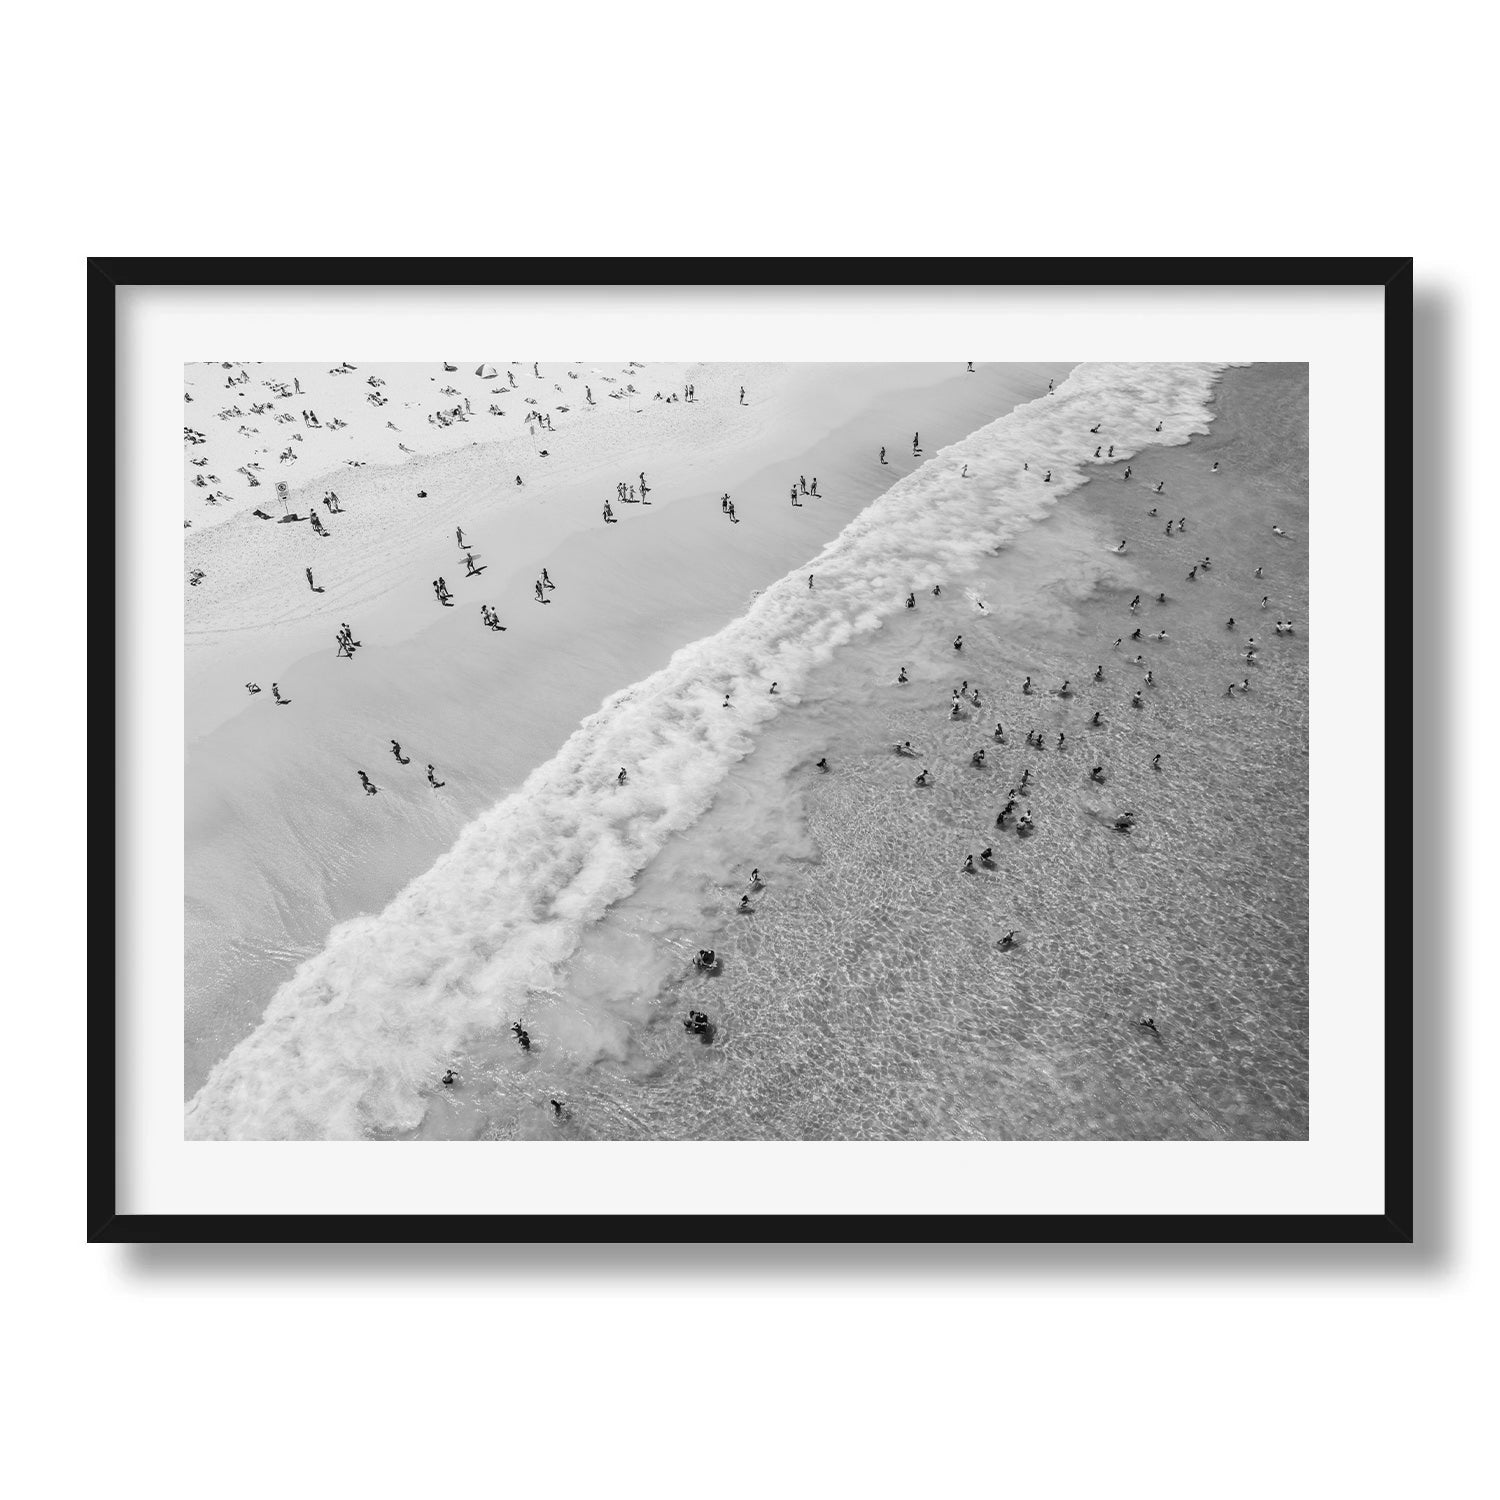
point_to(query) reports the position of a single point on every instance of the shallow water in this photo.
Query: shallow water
(863, 997)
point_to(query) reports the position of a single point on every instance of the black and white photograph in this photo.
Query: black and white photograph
(659, 751)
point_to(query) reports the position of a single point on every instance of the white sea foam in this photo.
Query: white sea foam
(350, 1047)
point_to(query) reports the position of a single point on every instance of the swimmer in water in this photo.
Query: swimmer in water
(902, 677)
(1097, 774)
(620, 779)
(1096, 721)
(755, 880)
(968, 864)
(522, 1036)
(1158, 486)
(922, 777)
(1121, 547)
(1135, 603)
(773, 687)
(937, 589)
(1152, 511)
(958, 643)
(1278, 531)
(911, 601)
(1047, 477)
(1007, 942)
(823, 764)
(1161, 598)
(1099, 672)
(1156, 762)
(1148, 1024)
(1158, 426)
(1026, 686)
(745, 904)
(1000, 732)
(449, 1079)
(1137, 701)
(987, 856)
(1215, 468)
(977, 758)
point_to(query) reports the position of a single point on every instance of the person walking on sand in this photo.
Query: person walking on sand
(546, 581)
(368, 785)
(310, 583)
(276, 694)
(461, 541)
(742, 395)
(396, 751)
(809, 580)
(916, 443)
(620, 779)
(882, 455)
(432, 778)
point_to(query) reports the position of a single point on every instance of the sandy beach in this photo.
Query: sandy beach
(861, 994)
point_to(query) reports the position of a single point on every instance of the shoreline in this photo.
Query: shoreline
(274, 860)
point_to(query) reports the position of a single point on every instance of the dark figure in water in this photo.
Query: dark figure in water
(977, 758)
(823, 764)
(1099, 673)
(1097, 775)
(916, 442)
(521, 1036)
(449, 1079)
(1047, 477)
(1096, 426)
(558, 1112)
(432, 778)
(1096, 721)
(882, 455)
(696, 1023)
(1148, 1023)
(1156, 762)
(1000, 731)
(1007, 942)
(968, 864)
(1127, 472)
(1097, 452)
(396, 751)
(986, 856)
(971, 367)
(755, 880)
(620, 779)
(1158, 426)
(937, 590)
(368, 785)
(958, 643)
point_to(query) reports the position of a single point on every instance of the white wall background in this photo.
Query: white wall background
(675, 129)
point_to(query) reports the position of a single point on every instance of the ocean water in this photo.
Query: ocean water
(862, 996)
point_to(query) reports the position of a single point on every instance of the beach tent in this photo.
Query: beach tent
(485, 372)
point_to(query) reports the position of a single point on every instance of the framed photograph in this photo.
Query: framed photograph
(796, 750)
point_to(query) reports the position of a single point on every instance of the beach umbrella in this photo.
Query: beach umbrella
(485, 372)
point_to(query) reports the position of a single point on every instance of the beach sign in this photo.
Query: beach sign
(282, 491)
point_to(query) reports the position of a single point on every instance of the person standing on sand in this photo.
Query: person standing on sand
(814, 489)
(461, 541)
(795, 500)
(432, 778)
(310, 582)
(882, 455)
(916, 443)
(742, 395)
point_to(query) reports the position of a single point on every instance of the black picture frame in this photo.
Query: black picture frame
(106, 1224)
